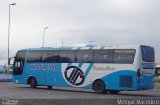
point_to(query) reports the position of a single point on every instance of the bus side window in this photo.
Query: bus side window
(66, 56)
(34, 56)
(50, 56)
(124, 56)
(103, 56)
(84, 56)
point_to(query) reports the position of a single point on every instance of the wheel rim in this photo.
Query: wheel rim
(99, 87)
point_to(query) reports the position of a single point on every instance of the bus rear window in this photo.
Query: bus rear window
(147, 54)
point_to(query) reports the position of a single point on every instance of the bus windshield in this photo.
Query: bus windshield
(147, 54)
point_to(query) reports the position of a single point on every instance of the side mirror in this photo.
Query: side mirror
(11, 61)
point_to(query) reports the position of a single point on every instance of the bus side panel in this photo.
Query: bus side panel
(74, 74)
(115, 76)
(54, 77)
(47, 74)
(117, 79)
(35, 70)
(121, 80)
(20, 79)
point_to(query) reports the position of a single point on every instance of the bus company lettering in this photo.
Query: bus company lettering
(44, 67)
(103, 68)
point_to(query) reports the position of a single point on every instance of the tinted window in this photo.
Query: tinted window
(21, 55)
(157, 71)
(34, 56)
(147, 53)
(66, 56)
(124, 56)
(18, 67)
(50, 56)
(84, 56)
(103, 56)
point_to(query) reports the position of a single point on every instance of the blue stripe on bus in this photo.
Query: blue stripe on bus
(80, 65)
(88, 69)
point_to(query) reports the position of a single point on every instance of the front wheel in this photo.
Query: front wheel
(33, 83)
(99, 87)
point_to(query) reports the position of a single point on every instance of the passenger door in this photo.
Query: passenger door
(18, 67)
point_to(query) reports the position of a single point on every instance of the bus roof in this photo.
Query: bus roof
(84, 48)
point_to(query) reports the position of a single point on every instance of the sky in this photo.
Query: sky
(106, 22)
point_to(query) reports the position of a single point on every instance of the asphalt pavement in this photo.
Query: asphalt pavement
(24, 92)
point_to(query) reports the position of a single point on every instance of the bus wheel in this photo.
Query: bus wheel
(114, 91)
(49, 87)
(99, 87)
(33, 82)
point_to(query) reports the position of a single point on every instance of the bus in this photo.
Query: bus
(103, 69)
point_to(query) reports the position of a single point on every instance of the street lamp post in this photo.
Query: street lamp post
(44, 34)
(9, 30)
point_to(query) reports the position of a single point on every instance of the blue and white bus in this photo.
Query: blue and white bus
(103, 69)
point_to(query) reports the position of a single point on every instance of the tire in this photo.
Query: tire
(114, 91)
(99, 87)
(33, 82)
(49, 87)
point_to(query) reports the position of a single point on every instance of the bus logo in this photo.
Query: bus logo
(74, 75)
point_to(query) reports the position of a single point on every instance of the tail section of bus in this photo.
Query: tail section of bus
(146, 70)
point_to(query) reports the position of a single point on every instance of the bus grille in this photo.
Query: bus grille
(125, 81)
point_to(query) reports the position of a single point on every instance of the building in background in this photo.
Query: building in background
(157, 72)
(4, 73)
